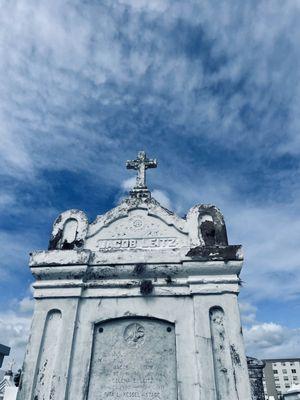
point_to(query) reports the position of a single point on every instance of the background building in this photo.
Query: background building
(4, 351)
(280, 374)
(293, 393)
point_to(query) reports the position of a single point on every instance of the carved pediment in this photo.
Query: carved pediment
(141, 226)
(137, 225)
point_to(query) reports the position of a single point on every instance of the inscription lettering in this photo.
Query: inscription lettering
(129, 395)
(137, 243)
(133, 358)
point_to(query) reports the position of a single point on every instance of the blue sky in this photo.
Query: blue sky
(209, 88)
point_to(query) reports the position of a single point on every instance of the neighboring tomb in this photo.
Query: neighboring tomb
(140, 304)
(255, 368)
(8, 389)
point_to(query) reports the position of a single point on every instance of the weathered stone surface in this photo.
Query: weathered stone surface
(208, 226)
(255, 368)
(108, 292)
(46, 374)
(69, 230)
(141, 164)
(59, 257)
(225, 253)
(133, 358)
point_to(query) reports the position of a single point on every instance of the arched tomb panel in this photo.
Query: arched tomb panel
(133, 358)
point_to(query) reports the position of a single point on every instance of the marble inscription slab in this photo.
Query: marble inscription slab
(133, 359)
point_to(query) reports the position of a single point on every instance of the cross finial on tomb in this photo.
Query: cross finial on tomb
(140, 164)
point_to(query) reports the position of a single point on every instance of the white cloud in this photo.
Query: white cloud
(128, 184)
(248, 312)
(270, 239)
(59, 60)
(159, 195)
(162, 198)
(14, 329)
(270, 340)
(144, 5)
(14, 332)
(16, 247)
(26, 305)
(7, 200)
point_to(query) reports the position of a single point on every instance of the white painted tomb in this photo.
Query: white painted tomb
(141, 304)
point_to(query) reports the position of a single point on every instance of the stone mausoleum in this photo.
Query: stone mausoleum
(140, 304)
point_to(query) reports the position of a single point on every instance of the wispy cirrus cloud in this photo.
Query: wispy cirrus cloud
(213, 95)
(14, 332)
(104, 75)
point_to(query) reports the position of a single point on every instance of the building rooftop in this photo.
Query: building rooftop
(281, 359)
(4, 351)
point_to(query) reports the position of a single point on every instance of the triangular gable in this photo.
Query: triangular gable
(137, 225)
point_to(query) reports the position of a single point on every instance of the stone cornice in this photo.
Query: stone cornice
(82, 267)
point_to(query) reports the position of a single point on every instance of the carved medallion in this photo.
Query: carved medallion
(137, 223)
(134, 335)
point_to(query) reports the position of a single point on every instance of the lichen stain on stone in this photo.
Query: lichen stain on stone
(54, 240)
(224, 253)
(76, 244)
(146, 287)
(208, 232)
(235, 356)
(255, 368)
(139, 269)
(129, 314)
(52, 393)
(58, 219)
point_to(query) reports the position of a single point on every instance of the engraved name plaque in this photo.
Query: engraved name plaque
(137, 243)
(133, 359)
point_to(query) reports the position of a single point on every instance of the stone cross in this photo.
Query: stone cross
(140, 164)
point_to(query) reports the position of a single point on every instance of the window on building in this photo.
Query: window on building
(283, 363)
(284, 371)
(287, 386)
(274, 364)
(295, 378)
(294, 371)
(292, 363)
(285, 378)
(276, 378)
(275, 371)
